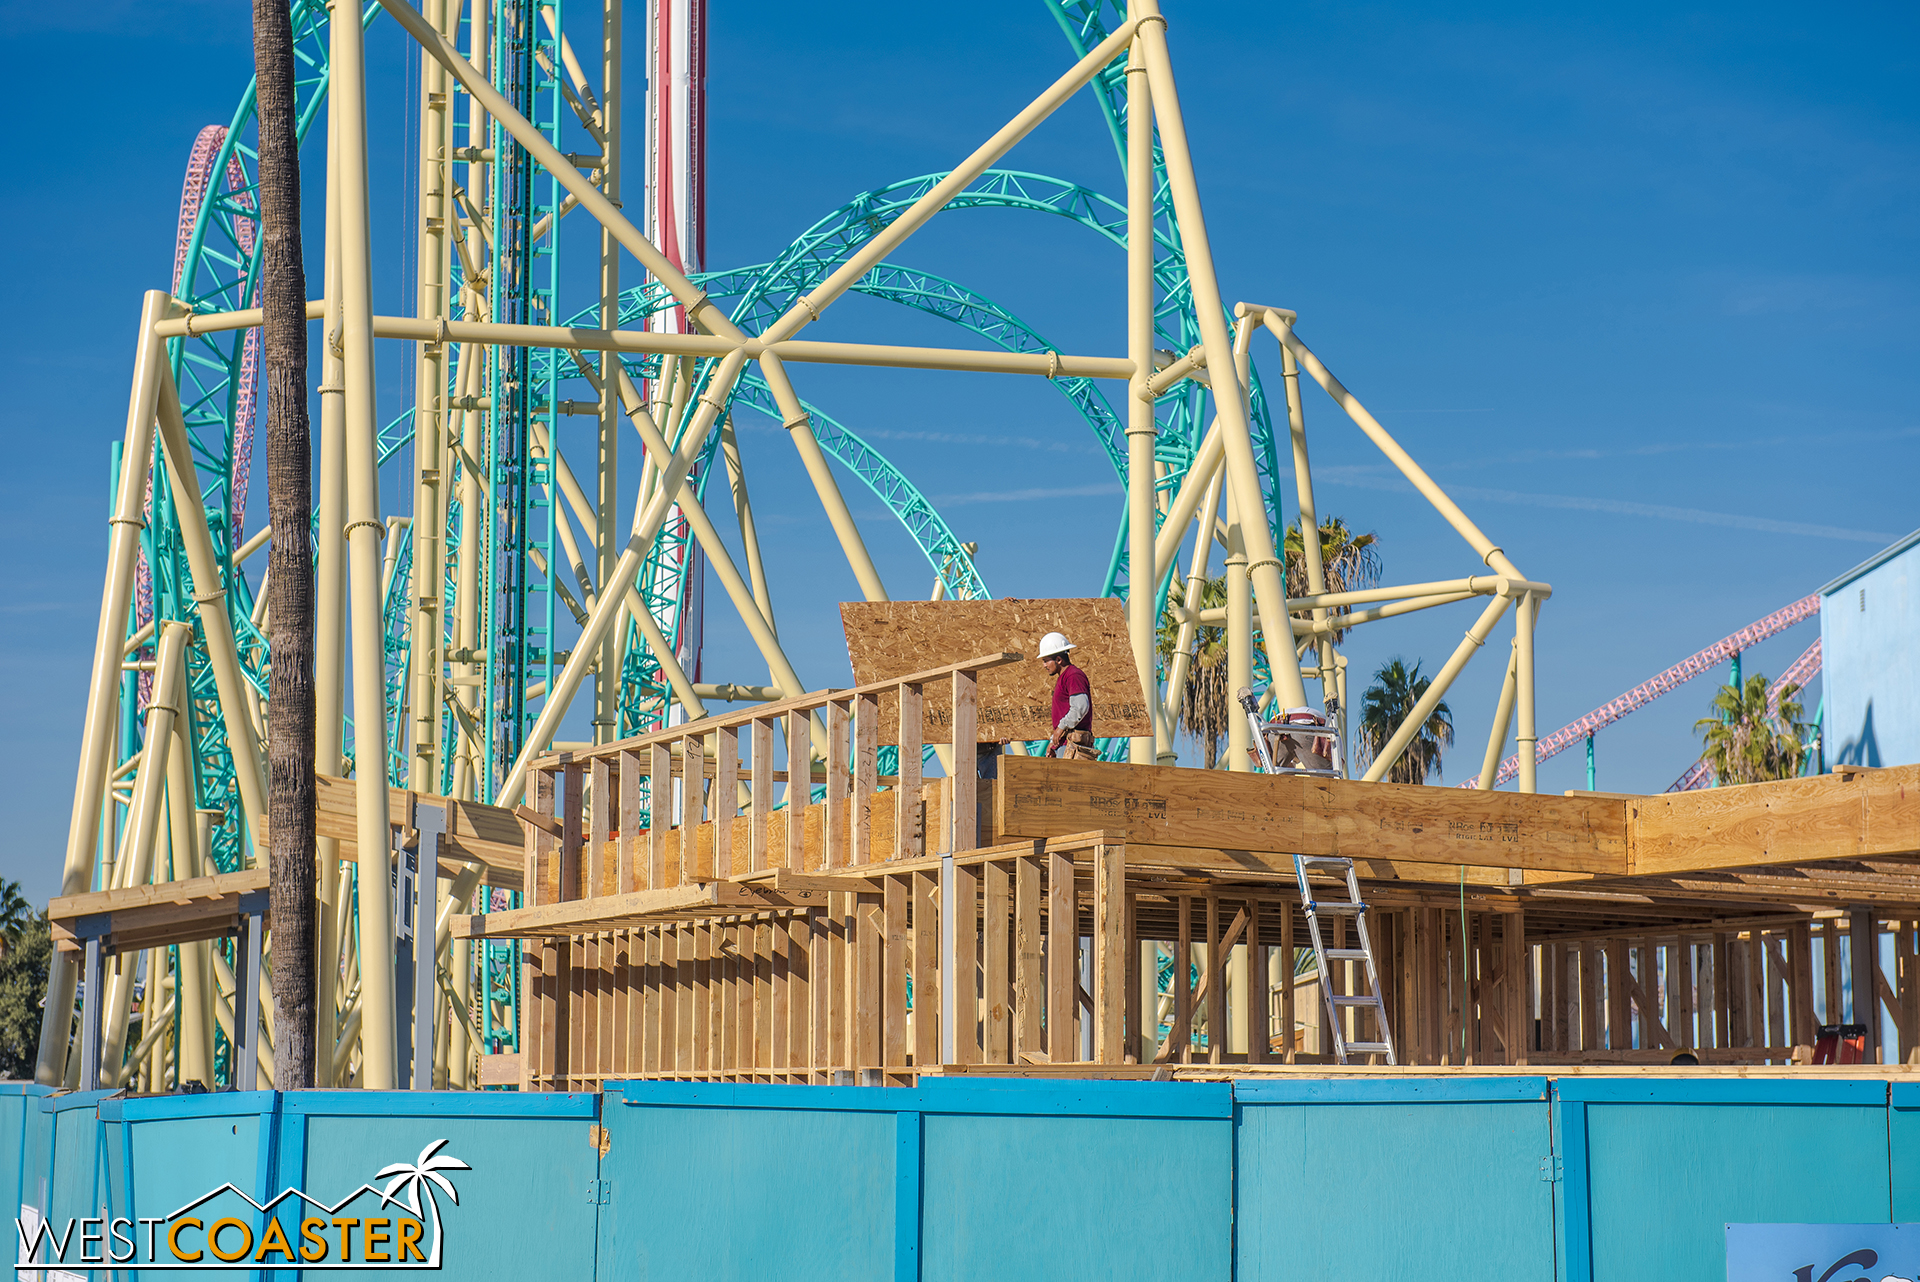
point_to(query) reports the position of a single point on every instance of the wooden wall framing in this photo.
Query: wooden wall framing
(879, 934)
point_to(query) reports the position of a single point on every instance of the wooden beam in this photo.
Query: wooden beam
(170, 912)
(1254, 814)
(492, 836)
(1867, 814)
(1110, 954)
(619, 912)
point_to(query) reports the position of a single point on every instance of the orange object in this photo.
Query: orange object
(1840, 1044)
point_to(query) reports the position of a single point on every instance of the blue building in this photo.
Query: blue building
(1870, 656)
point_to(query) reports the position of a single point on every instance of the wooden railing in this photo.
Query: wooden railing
(681, 875)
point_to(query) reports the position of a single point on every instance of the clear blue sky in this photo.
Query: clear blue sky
(1638, 283)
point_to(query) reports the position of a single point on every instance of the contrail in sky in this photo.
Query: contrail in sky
(1018, 496)
(1619, 507)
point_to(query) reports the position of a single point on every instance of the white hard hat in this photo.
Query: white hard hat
(1054, 643)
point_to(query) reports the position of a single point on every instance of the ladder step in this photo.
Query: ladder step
(1356, 1001)
(1340, 860)
(1347, 954)
(1335, 906)
(1368, 1048)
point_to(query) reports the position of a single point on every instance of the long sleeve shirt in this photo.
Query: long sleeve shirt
(1072, 700)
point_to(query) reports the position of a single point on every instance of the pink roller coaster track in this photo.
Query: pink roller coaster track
(1679, 674)
(193, 193)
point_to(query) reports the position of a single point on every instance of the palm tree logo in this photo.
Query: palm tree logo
(423, 1173)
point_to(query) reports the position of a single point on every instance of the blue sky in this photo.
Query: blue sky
(1636, 283)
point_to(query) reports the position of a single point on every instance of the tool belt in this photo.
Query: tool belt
(1077, 746)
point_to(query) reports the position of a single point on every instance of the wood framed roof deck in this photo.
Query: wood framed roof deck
(1014, 923)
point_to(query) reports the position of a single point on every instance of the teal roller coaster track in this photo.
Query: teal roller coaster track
(216, 269)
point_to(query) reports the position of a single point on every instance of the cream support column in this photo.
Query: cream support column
(363, 532)
(701, 310)
(1180, 671)
(743, 515)
(1239, 640)
(810, 305)
(1422, 709)
(646, 527)
(468, 784)
(330, 598)
(759, 625)
(1502, 722)
(103, 687)
(1186, 501)
(799, 425)
(1525, 738)
(606, 686)
(470, 559)
(1492, 556)
(1269, 586)
(426, 669)
(143, 825)
(1143, 574)
(210, 604)
(193, 1054)
(1309, 514)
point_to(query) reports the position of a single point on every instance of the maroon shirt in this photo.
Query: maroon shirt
(1070, 682)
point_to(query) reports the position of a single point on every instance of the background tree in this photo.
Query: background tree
(16, 914)
(1749, 742)
(290, 589)
(1349, 561)
(1205, 708)
(28, 947)
(1395, 689)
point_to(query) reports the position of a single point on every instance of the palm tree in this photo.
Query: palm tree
(1348, 562)
(1205, 710)
(1395, 690)
(16, 914)
(423, 1174)
(1749, 741)
(290, 587)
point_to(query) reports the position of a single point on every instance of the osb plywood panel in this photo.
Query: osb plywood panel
(1870, 814)
(1167, 806)
(889, 639)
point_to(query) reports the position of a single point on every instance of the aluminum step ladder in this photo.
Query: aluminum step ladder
(1263, 753)
(1319, 870)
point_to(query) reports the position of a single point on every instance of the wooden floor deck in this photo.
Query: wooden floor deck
(1017, 922)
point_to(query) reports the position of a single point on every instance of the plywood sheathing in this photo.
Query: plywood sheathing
(1242, 816)
(888, 639)
(1852, 815)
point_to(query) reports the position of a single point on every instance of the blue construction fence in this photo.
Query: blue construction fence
(1469, 1177)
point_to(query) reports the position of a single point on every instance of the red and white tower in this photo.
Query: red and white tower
(676, 210)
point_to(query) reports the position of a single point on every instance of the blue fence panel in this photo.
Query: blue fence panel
(24, 1132)
(1389, 1177)
(953, 1179)
(720, 1181)
(1656, 1168)
(528, 1208)
(1048, 1180)
(165, 1151)
(76, 1173)
(1378, 1177)
(1903, 1151)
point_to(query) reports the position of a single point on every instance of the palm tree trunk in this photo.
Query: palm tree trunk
(290, 802)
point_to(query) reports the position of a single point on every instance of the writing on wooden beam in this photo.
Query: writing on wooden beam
(1289, 814)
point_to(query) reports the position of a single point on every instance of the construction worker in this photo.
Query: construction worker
(1072, 702)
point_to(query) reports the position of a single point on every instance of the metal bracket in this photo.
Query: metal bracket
(1550, 1169)
(599, 1192)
